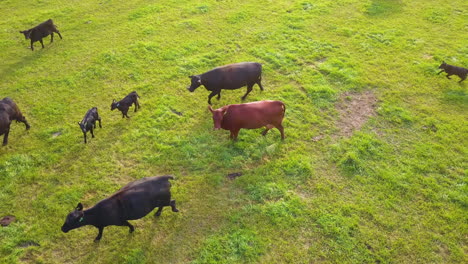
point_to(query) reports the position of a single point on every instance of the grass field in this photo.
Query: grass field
(394, 191)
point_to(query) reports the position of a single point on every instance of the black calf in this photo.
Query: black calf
(89, 122)
(453, 70)
(41, 31)
(124, 104)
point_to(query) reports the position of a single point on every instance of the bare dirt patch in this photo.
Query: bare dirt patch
(355, 109)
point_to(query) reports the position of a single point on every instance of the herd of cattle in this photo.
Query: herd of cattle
(139, 198)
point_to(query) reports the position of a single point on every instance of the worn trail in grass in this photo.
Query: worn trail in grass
(395, 191)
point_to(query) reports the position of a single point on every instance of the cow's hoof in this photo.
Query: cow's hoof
(175, 210)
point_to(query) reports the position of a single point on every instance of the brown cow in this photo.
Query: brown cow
(250, 115)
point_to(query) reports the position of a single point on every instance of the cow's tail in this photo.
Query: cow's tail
(284, 108)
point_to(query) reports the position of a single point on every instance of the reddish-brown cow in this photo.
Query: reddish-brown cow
(253, 115)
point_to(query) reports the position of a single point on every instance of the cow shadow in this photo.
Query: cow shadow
(379, 8)
(22, 62)
(458, 96)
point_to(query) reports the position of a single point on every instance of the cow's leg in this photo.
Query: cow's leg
(281, 129)
(99, 123)
(462, 79)
(137, 105)
(235, 132)
(219, 95)
(32, 46)
(213, 93)
(448, 75)
(5, 137)
(249, 89)
(158, 213)
(58, 32)
(42, 43)
(99, 235)
(267, 128)
(440, 72)
(259, 82)
(84, 135)
(130, 226)
(173, 206)
(51, 37)
(92, 132)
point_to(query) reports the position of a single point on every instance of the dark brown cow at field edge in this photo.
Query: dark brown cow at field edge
(9, 111)
(253, 115)
(229, 77)
(40, 31)
(133, 201)
(453, 70)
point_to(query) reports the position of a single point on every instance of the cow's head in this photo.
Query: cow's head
(82, 126)
(74, 219)
(443, 65)
(27, 33)
(218, 116)
(114, 105)
(196, 82)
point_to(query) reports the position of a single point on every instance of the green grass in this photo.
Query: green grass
(393, 192)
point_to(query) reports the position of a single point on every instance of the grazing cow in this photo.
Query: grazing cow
(250, 115)
(124, 104)
(133, 201)
(89, 122)
(229, 77)
(9, 111)
(453, 70)
(41, 31)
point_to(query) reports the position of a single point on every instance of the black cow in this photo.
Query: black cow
(9, 111)
(41, 31)
(124, 104)
(132, 202)
(453, 70)
(89, 122)
(229, 77)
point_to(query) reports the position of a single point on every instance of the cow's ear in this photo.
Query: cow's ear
(79, 123)
(211, 109)
(113, 101)
(21, 31)
(225, 110)
(79, 207)
(191, 76)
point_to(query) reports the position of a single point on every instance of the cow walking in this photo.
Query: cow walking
(453, 70)
(253, 115)
(229, 77)
(89, 122)
(41, 31)
(124, 104)
(133, 201)
(9, 111)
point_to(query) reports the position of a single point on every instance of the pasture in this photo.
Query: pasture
(393, 191)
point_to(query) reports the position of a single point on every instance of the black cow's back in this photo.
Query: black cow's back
(233, 76)
(136, 199)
